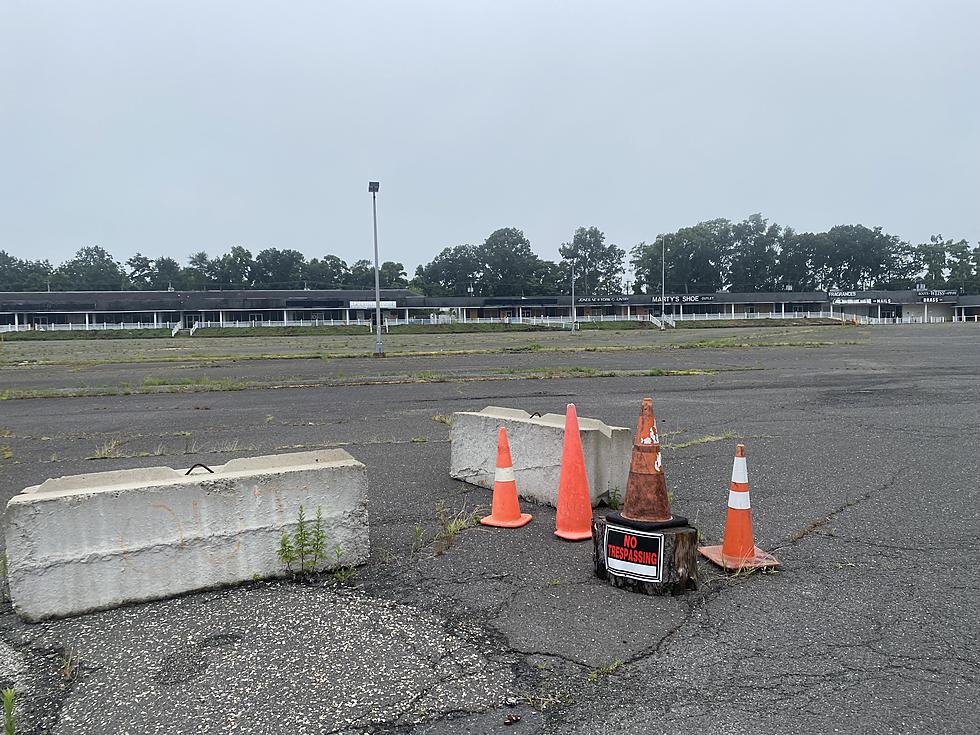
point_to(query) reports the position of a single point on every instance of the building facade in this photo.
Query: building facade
(178, 310)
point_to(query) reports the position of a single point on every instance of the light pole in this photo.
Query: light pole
(663, 280)
(379, 349)
(573, 294)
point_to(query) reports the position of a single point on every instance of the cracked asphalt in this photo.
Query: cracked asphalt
(863, 466)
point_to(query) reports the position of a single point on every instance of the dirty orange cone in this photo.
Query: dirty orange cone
(573, 520)
(646, 487)
(505, 511)
(738, 550)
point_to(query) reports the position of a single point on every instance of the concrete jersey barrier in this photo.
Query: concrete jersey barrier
(95, 541)
(535, 446)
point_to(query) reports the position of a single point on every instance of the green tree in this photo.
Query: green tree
(934, 261)
(392, 275)
(330, 272)
(508, 265)
(598, 266)
(961, 272)
(23, 275)
(165, 274)
(696, 259)
(92, 269)
(234, 269)
(275, 268)
(752, 257)
(451, 273)
(140, 270)
(361, 274)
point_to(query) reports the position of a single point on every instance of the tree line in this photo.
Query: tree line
(751, 255)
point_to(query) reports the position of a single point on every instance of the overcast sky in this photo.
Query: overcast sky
(183, 125)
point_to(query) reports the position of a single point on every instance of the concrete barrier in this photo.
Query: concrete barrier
(95, 541)
(535, 447)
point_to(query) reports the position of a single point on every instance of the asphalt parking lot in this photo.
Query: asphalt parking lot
(862, 452)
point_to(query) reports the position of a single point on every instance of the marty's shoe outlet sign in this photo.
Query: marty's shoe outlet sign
(634, 554)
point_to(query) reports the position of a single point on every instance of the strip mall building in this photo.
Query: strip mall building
(201, 309)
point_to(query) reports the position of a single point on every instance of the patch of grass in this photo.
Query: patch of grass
(69, 664)
(418, 538)
(341, 573)
(5, 432)
(443, 418)
(707, 439)
(34, 336)
(596, 674)
(451, 524)
(201, 381)
(108, 450)
(340, 329)
(715, 323)
(9, 720)
(464, 327)
(419, 439)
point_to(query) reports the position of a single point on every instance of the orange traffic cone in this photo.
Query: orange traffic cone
(505, 511)
(646, 487)
(738, 550)
(573, 520)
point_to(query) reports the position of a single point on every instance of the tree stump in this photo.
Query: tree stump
(648, 558)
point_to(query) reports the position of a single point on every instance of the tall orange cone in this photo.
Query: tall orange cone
(738, 550)
(646, 487)
(505, 511)
(573, 520)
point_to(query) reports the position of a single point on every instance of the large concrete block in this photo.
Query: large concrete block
(535, 447)
(95, 541)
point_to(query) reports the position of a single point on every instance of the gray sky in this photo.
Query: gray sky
(183, 125)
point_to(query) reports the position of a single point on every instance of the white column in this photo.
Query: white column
(879, 311)
(347, 316)
(627, 312)
(156, 319)
(681, 305)
(86, 320)
(406, 314)
(15, 321)
(783, 308)
(925, 313)
(733, 311)
(221, 318)
(284, 317)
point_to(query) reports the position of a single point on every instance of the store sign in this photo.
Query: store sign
(372, 304)
(604, 300)
(693, 298)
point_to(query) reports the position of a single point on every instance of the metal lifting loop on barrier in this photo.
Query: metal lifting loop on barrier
(195, 466)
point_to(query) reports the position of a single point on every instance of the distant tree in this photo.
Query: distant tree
(392, 275)
(23, 275)
(696, 259)
(92, 269)
(598, 266)
(330, 272)
(140, 268)
(508, 265)
(753, 254)
(275, 268)
(166, 274)
(903, 268)
(361, 275)
(934, 261)
(960, 259)
(451, 273)
(235, 269)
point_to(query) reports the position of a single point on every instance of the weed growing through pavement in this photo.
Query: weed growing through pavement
(615, 499)
(9, 723)
(342, 573)
(443, 418)
(419, 439)
(450, 524)
(418, 538)
(602, 671)
(108, 450)
(69, 664)
(6, 452)
(5, 432)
